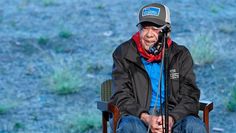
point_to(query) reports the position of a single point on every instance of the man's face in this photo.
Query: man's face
(148, 36)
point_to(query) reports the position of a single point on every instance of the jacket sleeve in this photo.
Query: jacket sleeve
(189, 103)
(123, 94)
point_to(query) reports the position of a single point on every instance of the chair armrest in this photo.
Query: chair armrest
(102, 106)
(107, 108)
(206, 107)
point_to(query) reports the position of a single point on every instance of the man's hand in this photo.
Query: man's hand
(171, 122)
(155, 122)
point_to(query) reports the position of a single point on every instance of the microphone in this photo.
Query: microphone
(153, 49)
(166, 28)
(156, 48)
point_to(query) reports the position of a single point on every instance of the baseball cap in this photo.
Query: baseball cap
(156, 13)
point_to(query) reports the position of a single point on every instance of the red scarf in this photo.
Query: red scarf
(144, 53)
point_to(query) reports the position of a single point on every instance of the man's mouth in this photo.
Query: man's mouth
(149, 42)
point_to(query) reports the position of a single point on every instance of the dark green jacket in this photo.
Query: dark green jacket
(132, 89)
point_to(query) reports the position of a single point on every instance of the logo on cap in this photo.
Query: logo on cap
(153, 11)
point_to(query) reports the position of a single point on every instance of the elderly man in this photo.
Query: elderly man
(136, 76)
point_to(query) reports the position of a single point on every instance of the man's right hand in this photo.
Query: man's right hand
(153, 121)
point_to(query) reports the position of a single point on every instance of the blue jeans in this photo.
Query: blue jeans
(132, 124)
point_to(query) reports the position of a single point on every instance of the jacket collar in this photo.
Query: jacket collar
(134, 56)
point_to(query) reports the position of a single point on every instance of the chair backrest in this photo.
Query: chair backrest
(106, 90)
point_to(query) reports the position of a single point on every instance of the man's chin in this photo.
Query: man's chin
(147, 48)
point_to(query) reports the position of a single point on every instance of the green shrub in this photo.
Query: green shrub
(13, 23)
(202, 50)
(94, 68)
(18, 126)
(215, 8)
(48, 2)
(64, 81)
(43, 40)
(65, 34)
(100, 6)
(231, 104)
(5, 106)
(64, 76)
(1, 18)
(85, 122)
(227, 28)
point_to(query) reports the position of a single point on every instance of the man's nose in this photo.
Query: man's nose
(149, 33)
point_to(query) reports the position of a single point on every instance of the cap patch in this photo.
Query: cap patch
(153, 11)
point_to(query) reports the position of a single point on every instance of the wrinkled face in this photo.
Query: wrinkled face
(148, 35)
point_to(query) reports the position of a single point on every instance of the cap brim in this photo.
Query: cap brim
(150, 20)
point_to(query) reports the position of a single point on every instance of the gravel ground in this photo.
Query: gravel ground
(81, 35)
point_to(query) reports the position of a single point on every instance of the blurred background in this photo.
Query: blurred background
(54, 54)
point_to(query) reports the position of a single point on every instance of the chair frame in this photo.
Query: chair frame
(108, 108)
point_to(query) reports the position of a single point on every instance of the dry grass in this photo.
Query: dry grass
(231, 103)
(83, 122)
(202, 50)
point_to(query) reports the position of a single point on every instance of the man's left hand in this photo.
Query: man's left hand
(171, 123)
